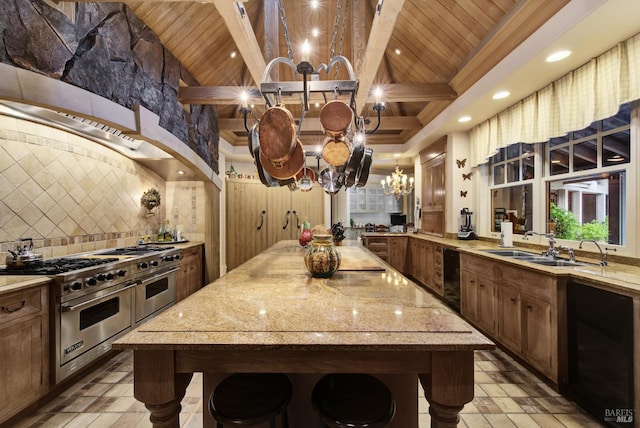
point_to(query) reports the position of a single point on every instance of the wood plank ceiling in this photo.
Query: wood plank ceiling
(424, 53)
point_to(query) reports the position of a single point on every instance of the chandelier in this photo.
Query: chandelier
(398, 184)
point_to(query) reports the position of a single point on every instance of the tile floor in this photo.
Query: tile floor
(506, 395)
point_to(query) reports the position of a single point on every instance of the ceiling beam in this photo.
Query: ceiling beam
(381, 30)
(240, 28)
(387, 123)
(393, 93)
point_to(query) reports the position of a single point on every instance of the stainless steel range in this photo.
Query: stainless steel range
(98, 297)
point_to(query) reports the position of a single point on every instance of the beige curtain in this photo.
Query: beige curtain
(592, 92)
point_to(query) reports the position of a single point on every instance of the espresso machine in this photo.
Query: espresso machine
(466, 229)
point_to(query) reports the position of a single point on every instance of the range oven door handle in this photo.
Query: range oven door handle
(69, 308)
(155, 277)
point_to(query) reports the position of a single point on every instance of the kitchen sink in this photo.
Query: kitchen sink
(525, 256)
(512, 253)
(559, 263)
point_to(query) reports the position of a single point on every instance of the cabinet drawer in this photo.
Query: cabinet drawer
(477, 265)
(20, 304)
(526, 281)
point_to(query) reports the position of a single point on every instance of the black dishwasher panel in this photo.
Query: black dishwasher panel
(600, 336)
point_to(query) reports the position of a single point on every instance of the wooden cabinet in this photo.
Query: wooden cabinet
(259, 216)
(24, 348)
(433, 189)
(516, 306)
(477, 299)
(189, 277)
(398, 252)
(378, 245)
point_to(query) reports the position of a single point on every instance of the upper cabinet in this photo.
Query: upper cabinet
(372, 199)
(433, 188)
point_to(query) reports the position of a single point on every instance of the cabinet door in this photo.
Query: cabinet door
(278, 221)
(468, 304)
(189, 277)
(485, 304)
(538, 334)
(398, 253)
(246, 223)
(510, 318)
(24, 349)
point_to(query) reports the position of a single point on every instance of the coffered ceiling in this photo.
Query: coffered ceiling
(425, 54)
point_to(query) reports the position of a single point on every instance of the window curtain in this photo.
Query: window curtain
(592, 92)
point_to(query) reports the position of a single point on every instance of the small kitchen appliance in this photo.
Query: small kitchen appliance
(466, 230)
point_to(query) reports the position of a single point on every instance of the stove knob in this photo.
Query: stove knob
(102, 277)
(91, 281)
(154, 263)
(143, 265)
(76, 286)
(122, 272)
(168, 258)
(110, 276)
(176, 257)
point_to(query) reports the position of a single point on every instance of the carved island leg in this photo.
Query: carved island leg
(159, 387)
(448, 387)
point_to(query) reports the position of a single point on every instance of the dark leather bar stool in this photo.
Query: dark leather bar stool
(246, 399)
(353, 401)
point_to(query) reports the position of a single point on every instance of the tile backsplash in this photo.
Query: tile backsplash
(73, 195)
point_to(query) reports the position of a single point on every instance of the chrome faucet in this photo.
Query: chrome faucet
(603, 255)
(551, 251)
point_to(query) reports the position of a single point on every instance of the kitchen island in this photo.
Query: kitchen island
(270, 315)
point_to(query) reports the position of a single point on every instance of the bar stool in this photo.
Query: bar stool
(353, 401)
(245, 399)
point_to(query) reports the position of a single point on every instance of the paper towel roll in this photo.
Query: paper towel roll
(506, 234)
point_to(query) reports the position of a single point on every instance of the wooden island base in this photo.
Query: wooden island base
(161, 379)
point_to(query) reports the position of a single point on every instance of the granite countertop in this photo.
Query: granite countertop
(615, 277)
(271, 301)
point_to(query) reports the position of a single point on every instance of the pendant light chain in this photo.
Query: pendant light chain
(285, 29)
(336, 23)
(342, 33)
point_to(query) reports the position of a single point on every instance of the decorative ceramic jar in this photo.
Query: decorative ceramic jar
(322, 258)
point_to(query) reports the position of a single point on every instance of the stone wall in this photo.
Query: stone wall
(109, 51)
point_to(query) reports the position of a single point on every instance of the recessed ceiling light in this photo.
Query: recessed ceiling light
(317, 105)
(315, 32)
(558, 56)
(181, 172)
(396, 155)
(398, 52)
(501, 94)
(464, 119)
(233, 54)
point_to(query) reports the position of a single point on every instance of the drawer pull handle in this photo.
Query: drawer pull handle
(8, 310)
(513, 299)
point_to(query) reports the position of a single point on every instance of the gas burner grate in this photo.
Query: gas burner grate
(139, 250)
(56, 266)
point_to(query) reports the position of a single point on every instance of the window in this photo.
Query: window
(512, 199)
(586, 195)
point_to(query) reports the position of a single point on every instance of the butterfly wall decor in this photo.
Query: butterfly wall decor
(463, 193)
(461, 163)
(467, 176)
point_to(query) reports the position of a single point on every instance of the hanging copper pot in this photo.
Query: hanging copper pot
(264, 177)
(284, 170)
(336, 117)
(277, 134)
(335, 151)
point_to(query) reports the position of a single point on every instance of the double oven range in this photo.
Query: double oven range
(98, 297)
